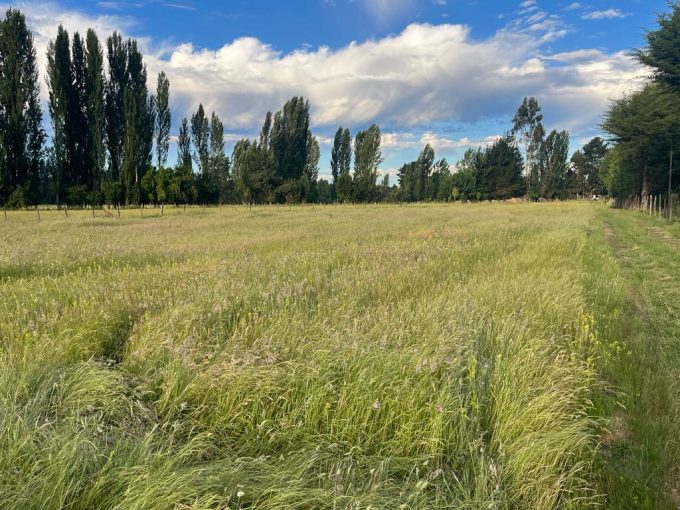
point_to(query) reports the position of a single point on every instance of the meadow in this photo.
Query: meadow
(504, 356)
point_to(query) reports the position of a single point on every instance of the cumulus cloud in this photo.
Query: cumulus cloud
(435, 140)
(424, 76)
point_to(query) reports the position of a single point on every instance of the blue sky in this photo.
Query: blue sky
(445, 72)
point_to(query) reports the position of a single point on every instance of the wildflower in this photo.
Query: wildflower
(440, 409)
(377, 405)
(240, 494)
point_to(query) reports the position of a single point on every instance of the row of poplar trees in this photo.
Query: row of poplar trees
(111, 136)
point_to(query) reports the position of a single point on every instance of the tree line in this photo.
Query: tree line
(644, 126)
(111, 139)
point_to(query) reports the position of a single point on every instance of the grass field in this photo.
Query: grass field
(467, 356)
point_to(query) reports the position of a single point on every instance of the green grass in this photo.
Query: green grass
(335, 357)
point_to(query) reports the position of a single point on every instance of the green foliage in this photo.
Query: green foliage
(200, 137)
(527, 124)
(95, 110)
(642, 124)
(163, 120)
(367, 159)
(21, 132)
(553, 164)
(588, 167)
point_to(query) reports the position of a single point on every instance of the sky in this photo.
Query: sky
(450, 73)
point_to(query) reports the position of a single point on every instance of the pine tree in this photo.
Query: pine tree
(163, 120)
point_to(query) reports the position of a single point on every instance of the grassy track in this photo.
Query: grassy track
(640, 461)
(333, 357)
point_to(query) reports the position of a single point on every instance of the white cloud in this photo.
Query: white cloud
(605, 14)
(573, 6)
(421, 77)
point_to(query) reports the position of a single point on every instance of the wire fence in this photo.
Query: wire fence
(661, 206)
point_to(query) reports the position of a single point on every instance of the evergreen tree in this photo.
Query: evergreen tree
(587, 164)
(501, 175)
(465, 181)
(163, 120)
(640, 124)
(661, 53)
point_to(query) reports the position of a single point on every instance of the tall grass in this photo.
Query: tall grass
(329, 357)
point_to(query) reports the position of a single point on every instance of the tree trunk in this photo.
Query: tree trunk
(645, 187)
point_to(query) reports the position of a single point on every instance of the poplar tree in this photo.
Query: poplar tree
(343, 188)
(115, 113)
(163, 120)
(311, 172)
(200, 135)
(21, 133)
(95, 115)
(78, 128)
(288, 145)
(59, 79)
(424, 166)
(335, 154)
(367, 159)
(138, 123)
(184, 145)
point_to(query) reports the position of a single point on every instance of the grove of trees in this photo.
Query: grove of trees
(111, 138)
(645, 125)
